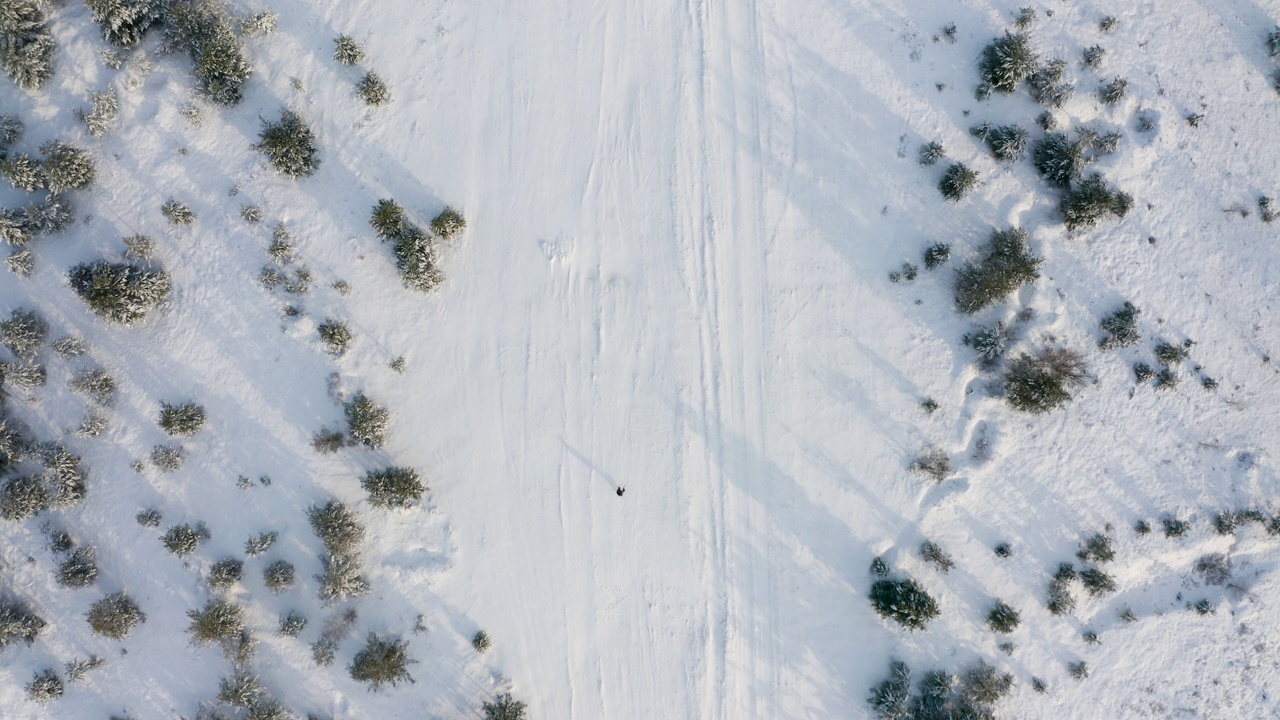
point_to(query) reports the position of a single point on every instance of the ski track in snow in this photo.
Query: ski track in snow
(681, 219)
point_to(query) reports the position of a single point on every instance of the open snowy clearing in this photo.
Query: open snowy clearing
(674, 279)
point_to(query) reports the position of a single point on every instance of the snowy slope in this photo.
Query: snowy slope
(681, 221)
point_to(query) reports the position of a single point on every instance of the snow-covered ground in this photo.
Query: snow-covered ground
(681, 220)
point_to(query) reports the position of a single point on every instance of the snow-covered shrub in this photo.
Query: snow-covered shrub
(290, 145)
(78, 670)
(504, 707)
(393, 487)
(282, 248)
(93, 424)
(203, 29)
(982, 686)
(1142, 527)
(181, 540)
(18, 623)
(937, 255)
(1047, 86)
(336, 526)
(64, 477)
(416, 261)
(27, 49)
(22, 497)
(957, 181)
(1173, 527)
(1213, 568)
(51, 215)
(291, 624)
(481, 641)
(447, 223)
(1059, 159)
(1167, 379)
(66, 167)
(930, 153)
(1007, 266)
(1108, 24)
(115, 616)
(387, 219)
(988, 341)
(78, 569)
(119, 292)
(1097, 582)
(21, 263)
(11, 131)
(1121, 328)
(139, 247)
(177, 212)
(279, 576)
(219, 621)
(183, 420)
(367, 421)
(934, 463)
(1007, 61)
(1038, 384)
(932, 552)
(46, 686)
(383, 661)
(335, 335)
(1060, 601)
(101, 115)
(225, 573)
(322, 652)
(125, 22)
(241, 690)
(1003, 550)
(1097, 548)
(891, 698)
(908, 272)
(261, 543)
(23, 374)
(167, 458)
(904, 601)
(1169, 354)
(23, 173)
(1003, 618)
(24, 333)
(341, 578)
(328, 441)
(1007, 142)
(98, 385)
(1092, 56)
(1142, 372)
(879, 567)
(346, 51)
(150, 517)
(372, 89)
(260, 24)
(1091, 201)
(1114, 91)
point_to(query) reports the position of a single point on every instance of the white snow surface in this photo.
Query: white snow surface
(681, 218)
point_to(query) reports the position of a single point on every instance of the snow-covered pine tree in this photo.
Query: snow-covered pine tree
(203, 29)
(119, 292)
(290, 145)
(66, 167)
(27, 49)
(125, 22)
(23, 173)
(101, 115)
(1007, 61)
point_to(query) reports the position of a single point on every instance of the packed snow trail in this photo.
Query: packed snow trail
(681, 218)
